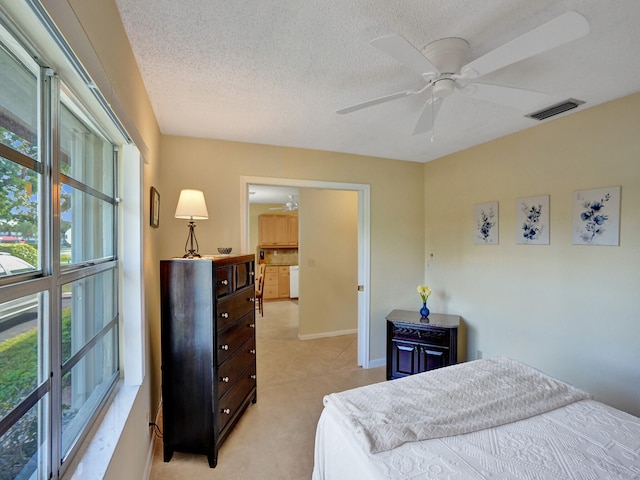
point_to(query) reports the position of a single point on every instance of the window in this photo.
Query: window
(59, 317)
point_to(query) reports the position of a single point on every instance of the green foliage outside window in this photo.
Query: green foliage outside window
(17, 357)
(26, 252)
(18, 378)
(18, 189)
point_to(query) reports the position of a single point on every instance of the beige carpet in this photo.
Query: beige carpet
(274, 439)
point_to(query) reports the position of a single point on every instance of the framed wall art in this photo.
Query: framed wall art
(532, 220)
(485, 217)
(596, 216)
(155, 208)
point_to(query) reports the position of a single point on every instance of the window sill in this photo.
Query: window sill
(92, 462)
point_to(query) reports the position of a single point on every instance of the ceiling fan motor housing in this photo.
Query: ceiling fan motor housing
(448, 55)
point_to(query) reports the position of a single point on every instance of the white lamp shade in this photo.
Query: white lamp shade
(191, 205)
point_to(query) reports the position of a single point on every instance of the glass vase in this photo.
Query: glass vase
(424, 311)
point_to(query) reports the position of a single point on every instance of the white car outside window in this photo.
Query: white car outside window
(22, 309)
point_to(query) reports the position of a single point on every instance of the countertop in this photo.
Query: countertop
(435, 319)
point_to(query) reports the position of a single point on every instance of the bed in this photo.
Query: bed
(487, 419)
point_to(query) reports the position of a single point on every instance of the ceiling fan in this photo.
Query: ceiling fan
(289, 206)
(445, 68)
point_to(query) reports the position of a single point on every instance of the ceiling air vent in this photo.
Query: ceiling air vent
(556, 109)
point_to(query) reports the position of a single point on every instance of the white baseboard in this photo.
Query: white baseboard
(378, 362)
(327, 334)
(152, 443)
(152, 448)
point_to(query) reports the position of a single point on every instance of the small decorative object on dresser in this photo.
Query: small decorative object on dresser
(415, 346)
(208, 350)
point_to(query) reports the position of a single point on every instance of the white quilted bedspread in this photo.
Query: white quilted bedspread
(584, 440)
(450, 401)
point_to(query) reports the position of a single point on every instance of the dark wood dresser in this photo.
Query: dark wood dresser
(416, 345)
(208, 350)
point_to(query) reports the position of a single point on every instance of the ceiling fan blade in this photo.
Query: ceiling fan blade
(428, 115)
(509, 96)
(563, 29)
(375, 101)
(402, 50)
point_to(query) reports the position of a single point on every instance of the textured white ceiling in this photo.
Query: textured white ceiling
(275, 71)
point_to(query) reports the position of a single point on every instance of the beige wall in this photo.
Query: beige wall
(397, 208)
(328, 262)
(570, 310)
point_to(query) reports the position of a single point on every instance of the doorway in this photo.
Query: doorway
(363, 191)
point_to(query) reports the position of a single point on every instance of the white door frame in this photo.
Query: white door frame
(364, 241)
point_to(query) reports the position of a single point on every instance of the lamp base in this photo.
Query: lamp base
(191, 252)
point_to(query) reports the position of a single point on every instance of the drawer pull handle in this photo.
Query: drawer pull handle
(224, 379)
(252, 273)
(226, 411)
(251, 299)
(224, 347)
(224, 282)
(252, 377)
(224, 315)
(252, 351)
(252, 325)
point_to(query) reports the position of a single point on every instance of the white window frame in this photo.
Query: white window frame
(43, 38)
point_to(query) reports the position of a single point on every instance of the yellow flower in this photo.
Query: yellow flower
(424, 292)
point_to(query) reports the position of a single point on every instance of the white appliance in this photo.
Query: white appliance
(293, 281)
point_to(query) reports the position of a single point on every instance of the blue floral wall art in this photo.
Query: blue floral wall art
(532, 220)
(596, 216)
(485, 223)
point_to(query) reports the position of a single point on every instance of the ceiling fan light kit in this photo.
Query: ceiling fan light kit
(443, 87)
(442, 64)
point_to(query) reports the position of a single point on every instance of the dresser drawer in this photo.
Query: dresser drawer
(224, 281)
(229, 372)
(232, 401)
(232, 307)
(427, 335)
(244, 275)
(230, 340)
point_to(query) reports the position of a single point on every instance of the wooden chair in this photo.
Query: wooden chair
(260, 287)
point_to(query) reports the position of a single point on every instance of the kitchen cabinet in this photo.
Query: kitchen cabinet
(276, 282)
(270, 289)
(283, 282)
(208, 350)
(277, 230)
(415, 345)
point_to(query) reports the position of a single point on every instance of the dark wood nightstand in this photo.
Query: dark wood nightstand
(416, 345)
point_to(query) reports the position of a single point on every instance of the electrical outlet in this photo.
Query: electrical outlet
(479, 354)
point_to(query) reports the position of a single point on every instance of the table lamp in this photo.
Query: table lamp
(191, 205)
